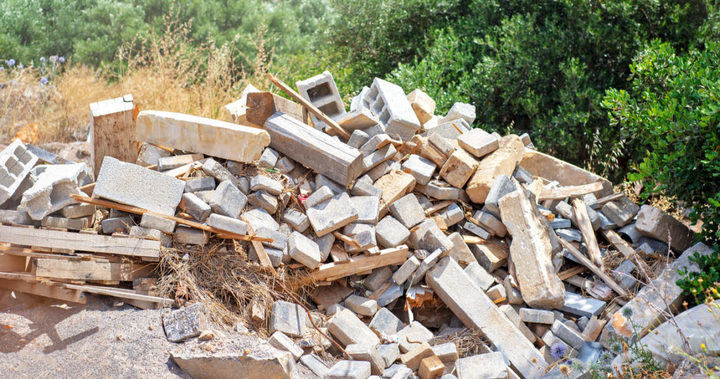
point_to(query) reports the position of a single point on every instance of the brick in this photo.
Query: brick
(268, 159)
(195, 207)
(52, 189)
(531, 252)
(477, 311)
(418, 352)
(155, 222)
(264, 200)
(478, 142)
(237, 110)
(489, 365)
(389, 103)
(349, 370)
(288, 318)
(227, 200)
(78, 210)
(332, 215)
(654, 223)
(186, 235)
(304, 250)
(175, 161)
(407, 210)
(322, 92)
(220, 173)
(266, 183)
(458, 168)
(367, 207)
(460, 111)
(385, 322)
(227, 223)
(421, 168)
(537, 316)
(298, 220)
(348, 329)
(201, 135)
(185, 323)
(131, 184)
(15, 164)
(422, 104)
(206, 183)
(500, 162)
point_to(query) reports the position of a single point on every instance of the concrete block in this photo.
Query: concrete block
(315, 364)
(285, 165)
(362, 234)
(447, 352)
(579, 305)
(358, 138)
(479, 276)
(502, 185)
(195, 207)
(490, 223)
(431, 367)
(413, 336)
(298, 220)
(450, 129)
(568, 335)
(377, 278)
(15, 164)
(65, 223)
(361, 352)
(186, 235)
(206, 183)
(654, 223)
(440, 190)
(421, 168)
(623, 274)
(500, 162)
(407, 210)
(513, 294)
(227, 200)
(226, 223)
(267, 184)
(389, 103)
(280, 341)
(367, 207)
(390, 352)
(220, 173)
(325, 244)
(116, 225)
(288, 318)
(348, 329)
(442, 144)
(458, 168)
(259, 218)
(321, 195)
(428, 236)
(361, 305)
(560, 223)
(185, 323)
(152, 234)
(332, 214)
(460, 111)
(137, 186)
(349, 370)
(356, 120)
(78, 210)
(175, 161)
(489, 365)
(391, 294)
(422, 104)
(52, 189)
(279, 239)
(385, 323)
(413, 357)
(377, 157)
(537, 316)
(322, 92)
(478, 142)
(201, 135)
(406, 270)
(453, 214)
(522, 175)
(571, 235)
(16, 218)
(490, 256)
(268, 159)
(477, 230)
(264, 200)
(514, 318)
(304, 250)
(155, 222)
(394, 185)
(363, 188)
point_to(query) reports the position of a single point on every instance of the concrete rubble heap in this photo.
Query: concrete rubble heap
(411, 224)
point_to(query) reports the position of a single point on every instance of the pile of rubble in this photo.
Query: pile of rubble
(413, 227)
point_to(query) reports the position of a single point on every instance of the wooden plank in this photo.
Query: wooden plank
(117, 292)
(603, 200)
(314, 149)
(583, 222)
(113, 130)
(24, 252)
(54, 291)
(595, 269)
(12, 263)
(182, 221)
(309, 106)
(387, 257)
(262, 105)
(569, 191)
(129, 246)
(90, 270)
(620, 244)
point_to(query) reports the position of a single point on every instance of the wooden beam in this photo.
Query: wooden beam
(595, 269)
(128, 246)
(51, 290)
(181, 221)
(113, 130)
(571, 272)
(310, 107)
(569, 191)
(121, 293)
(583, 222)
(261, 105)
(90, 270)
(354, 265)
(25, 252)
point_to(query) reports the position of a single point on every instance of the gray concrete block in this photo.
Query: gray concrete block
(279, 239)
(264, 200)
(227, 200)
(332, 214)
(363, 188)
(15, 164)
(502, 186)
(175, 161)
(408, 211)
(567, 334)
(289, 318)
(367, 207)
(406, 270)
(195, 207)
(489, 365)
(349, 370)
(537, 316)
(371, 160)
(421, 168)
(440, 190)
(386, 323)
(361, 305)
(579, 305)
(476, 230)
(413, 336)
(322, 92)
(206, 183)
(362, 234)
(78, 210)
(52, 189)
(280, 341)
(153, 234)
(377, 278)
(116, 225)
(428, 236)
(156, 222)
(185, 323)
(448, 130)
(390, 352)
(266, 183)
(391, 294)
(298, 220)
(268, 159)
(150, 154)
(349, 329)
(16, 218)
(186, 235)
(491, 223)
(460, 111)
(478, 142)
(389, 103)
(621, 211)
(65, 223)
(315, 364)
(137, 186)
(217, 171)
(304, 250)
(453, 214)
(285, 165)
(358, 138)
(226, 223)
(321, 195)
(324, 181)
(390, 232)
(479, 276)
(442, 144)
(258, 218)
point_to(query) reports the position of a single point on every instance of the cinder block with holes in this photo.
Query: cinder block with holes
(322, 92)
(389, 103)
(15, 163)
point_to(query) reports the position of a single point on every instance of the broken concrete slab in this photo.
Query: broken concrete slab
(201, 135)
(458, 168)
(500, 162)
(131, 184)
(478, 142)
(348, 329)
(185, 323)
(531, 253)
(551, 168)
(332, 214)
(55, 183)
(15, 164)
(654, 223)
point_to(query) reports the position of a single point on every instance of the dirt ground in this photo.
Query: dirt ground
(104, 338)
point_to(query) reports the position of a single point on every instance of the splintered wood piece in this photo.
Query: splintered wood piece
(346, 239)
(619, 243)
(437, 206)
(338, 254)
(603, 200)
(387, 257)
(310, 107)
(569, 191)
(596, 270)
(181, 221)
(129, 246)
(32, 253)
(588, 233)
(260, 251)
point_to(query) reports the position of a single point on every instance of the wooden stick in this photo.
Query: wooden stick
(437, 206)
(596, 270)
(181, 221)
(588, 233)
(474, 239)
(387, 257)
(346, 239)
(569, 191)
(571, 272)
(310, 107)
(260, 251)
(601, 201)
(619, 243)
